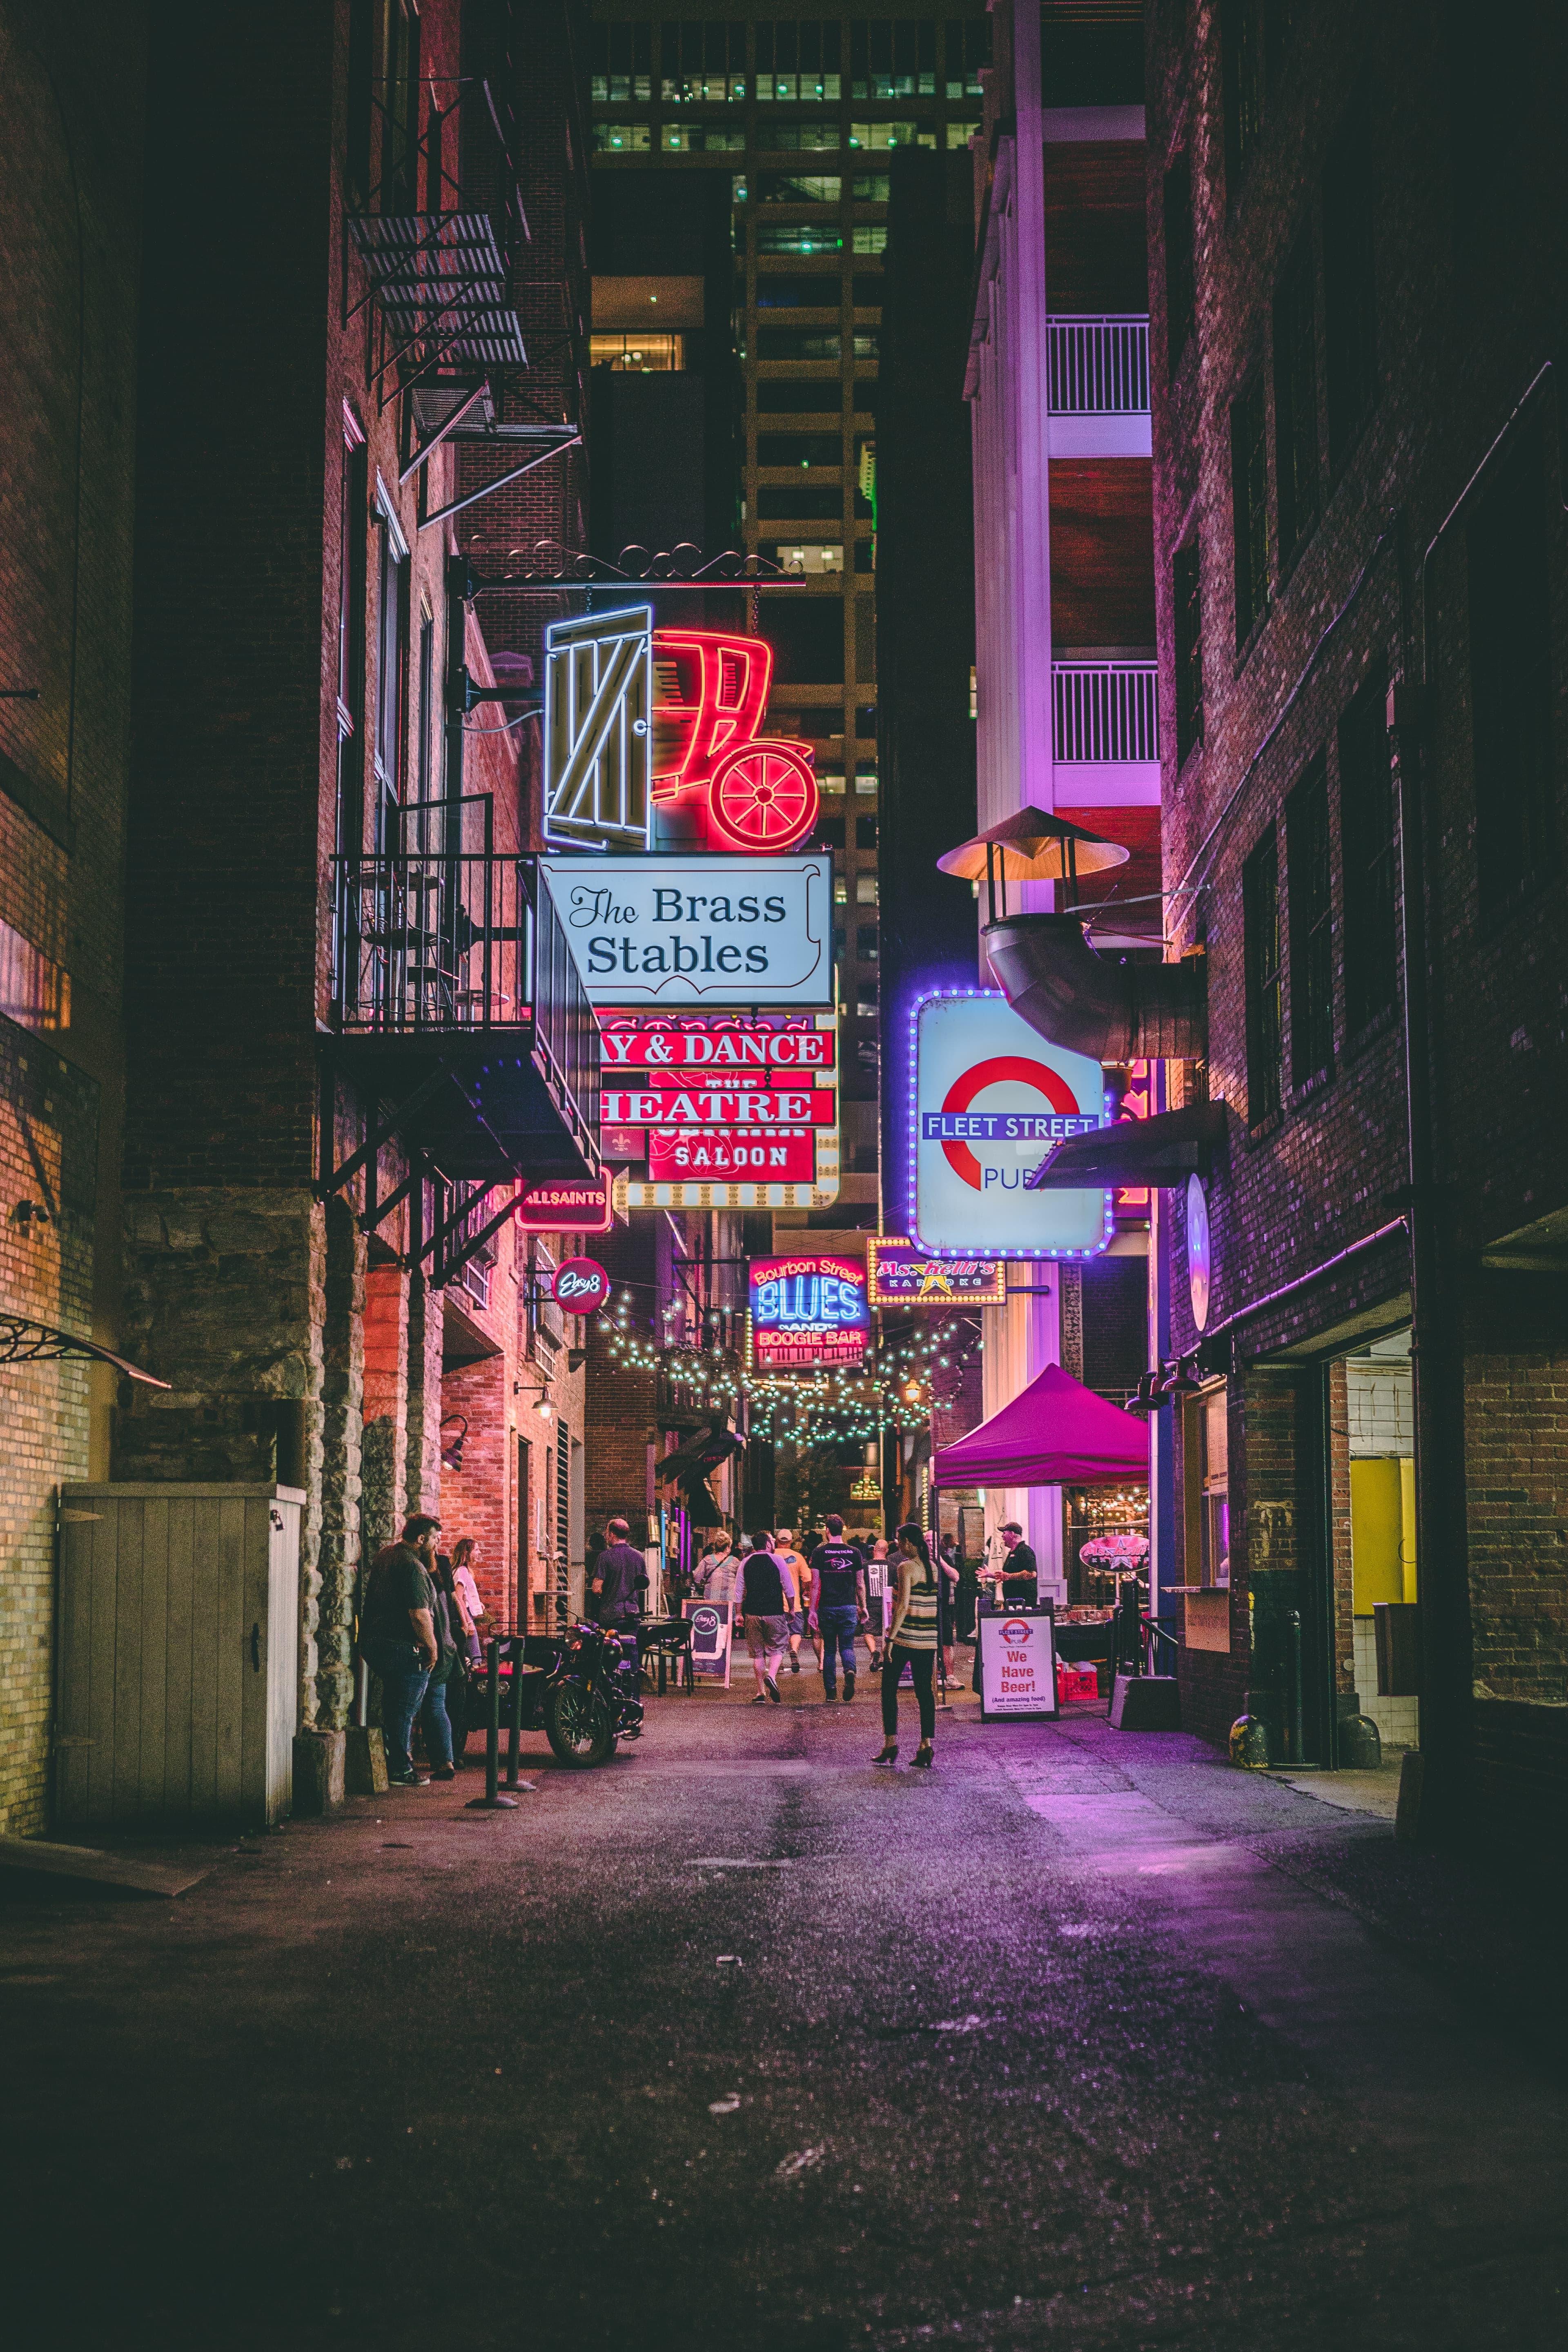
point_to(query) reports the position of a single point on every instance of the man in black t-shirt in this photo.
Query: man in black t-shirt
(838, 1606)
(397, 1641)
(1020, 1574)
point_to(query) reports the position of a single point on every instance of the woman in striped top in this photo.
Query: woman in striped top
(913, 1637)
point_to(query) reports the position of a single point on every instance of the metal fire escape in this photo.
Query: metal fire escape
(440, 238)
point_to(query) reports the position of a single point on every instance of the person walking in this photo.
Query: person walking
(784, 1546)
(397, 1639)
(718, 1572)
(911, 1639)
(837, 1606)
(767, 1596)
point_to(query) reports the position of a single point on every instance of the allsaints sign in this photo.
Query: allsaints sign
(698, 930)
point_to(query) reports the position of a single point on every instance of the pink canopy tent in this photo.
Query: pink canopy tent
(1057, 1434)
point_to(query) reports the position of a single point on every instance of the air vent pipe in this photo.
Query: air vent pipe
(1114, 1010)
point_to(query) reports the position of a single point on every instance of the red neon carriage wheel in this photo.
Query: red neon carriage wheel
(763, 796)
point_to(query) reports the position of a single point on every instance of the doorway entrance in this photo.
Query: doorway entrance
(1372, 1481)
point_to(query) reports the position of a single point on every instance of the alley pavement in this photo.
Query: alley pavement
(1082, 2040)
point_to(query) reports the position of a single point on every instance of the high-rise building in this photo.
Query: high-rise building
(797, 119)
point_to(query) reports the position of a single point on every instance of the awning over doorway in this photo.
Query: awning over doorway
(1057, 1434)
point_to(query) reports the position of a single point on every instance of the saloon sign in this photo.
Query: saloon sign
(991, 1096)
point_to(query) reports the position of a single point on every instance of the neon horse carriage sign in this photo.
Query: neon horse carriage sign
(639, 720)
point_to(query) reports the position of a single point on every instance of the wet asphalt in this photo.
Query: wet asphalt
(1082, 2040)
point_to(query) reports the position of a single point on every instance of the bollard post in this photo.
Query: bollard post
(1293, 1636)
(490, 1802)
(514, 1714)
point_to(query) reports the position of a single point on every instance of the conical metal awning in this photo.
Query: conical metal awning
(1031, 845)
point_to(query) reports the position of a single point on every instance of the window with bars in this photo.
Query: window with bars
(1241, 51)
(621, 63)
(563, 1495)
(1367, 844)
(799, 58)
(1181, 279)
(892, 56)
(1308, 872)
(1296, 401)
(1263, 979)
(1186, 585)
(1250, 508)
(1349, 289)
(1508, 562)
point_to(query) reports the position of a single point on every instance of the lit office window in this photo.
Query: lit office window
(799, 58)
(622, 138)
(638, 354)
(876, 137)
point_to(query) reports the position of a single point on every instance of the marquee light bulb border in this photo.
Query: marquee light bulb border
(991, 1249)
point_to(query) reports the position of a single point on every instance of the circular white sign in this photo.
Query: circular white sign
(1199, 1251)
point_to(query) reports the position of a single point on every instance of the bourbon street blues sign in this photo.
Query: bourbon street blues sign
(698, 930)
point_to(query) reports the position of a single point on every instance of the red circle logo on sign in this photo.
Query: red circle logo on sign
(581, 1285)
(1000, 1070)
(1016, 1630)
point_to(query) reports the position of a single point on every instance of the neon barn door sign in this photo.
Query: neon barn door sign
(638, 718)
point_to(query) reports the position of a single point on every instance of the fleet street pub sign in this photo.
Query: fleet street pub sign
(721, 1099)
(990, 1098)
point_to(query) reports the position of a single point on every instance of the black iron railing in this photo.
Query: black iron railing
(431, 944)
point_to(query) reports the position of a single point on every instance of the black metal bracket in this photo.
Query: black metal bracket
(22, 1342)
(442, 1272)
(333, 1179)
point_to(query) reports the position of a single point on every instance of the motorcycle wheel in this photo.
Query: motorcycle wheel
(577, 1726)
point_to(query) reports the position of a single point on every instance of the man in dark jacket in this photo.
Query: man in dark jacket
(620, 1578)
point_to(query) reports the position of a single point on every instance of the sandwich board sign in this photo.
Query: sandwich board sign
(711, 1627)
(1018, 1663)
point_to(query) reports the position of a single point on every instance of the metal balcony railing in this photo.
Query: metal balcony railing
(1104, 711)
(1098, 367)
(432, 943)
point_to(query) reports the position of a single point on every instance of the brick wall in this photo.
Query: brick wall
(1467, 223)
(70, 227)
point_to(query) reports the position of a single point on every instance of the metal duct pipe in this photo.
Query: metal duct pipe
(1114, 1012)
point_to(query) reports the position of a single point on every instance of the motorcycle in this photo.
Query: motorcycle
(578, 1689)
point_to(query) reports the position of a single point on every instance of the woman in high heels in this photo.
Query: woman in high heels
(911, 1639)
